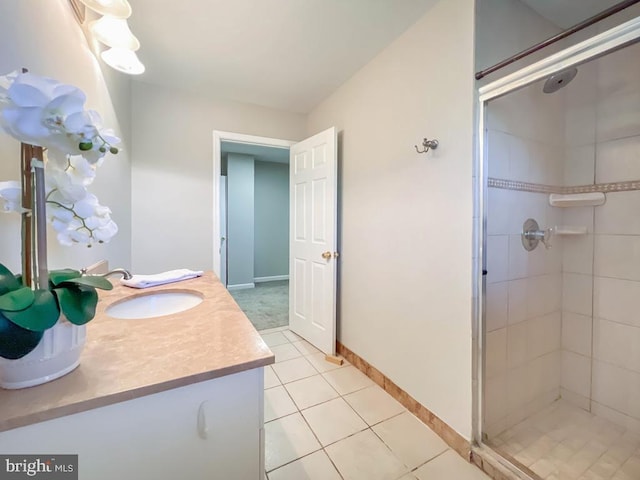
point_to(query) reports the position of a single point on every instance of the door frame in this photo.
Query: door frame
(219, 137)
(599, 45)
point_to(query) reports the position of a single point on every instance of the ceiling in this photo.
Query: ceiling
(284, 54)
(566, 13)
(258, 152)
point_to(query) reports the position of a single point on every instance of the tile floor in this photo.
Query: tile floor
(564, 442)
(330, 422)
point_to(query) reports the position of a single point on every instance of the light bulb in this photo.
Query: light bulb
(123, 60)
(115, 8)
(114, 32)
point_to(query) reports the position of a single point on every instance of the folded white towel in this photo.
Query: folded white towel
(144, 281)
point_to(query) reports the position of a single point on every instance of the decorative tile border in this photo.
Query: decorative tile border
(523, 186)
(605, 187)
(540, 188)
(456, 441)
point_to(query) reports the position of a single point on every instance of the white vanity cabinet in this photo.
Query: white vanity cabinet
(209, 430)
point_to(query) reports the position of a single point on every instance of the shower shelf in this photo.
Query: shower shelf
(591, 199)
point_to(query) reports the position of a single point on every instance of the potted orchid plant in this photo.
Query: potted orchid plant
(62, 144)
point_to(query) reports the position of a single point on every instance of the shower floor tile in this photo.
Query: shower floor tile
(565, 442)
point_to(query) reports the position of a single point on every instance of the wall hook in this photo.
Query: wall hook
(428, 145)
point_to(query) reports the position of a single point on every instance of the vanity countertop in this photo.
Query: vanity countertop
(126, 359)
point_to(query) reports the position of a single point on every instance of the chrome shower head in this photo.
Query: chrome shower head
(558, 80)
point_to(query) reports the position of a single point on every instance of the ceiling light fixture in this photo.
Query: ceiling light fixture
(115, 8)
(123, 60)
(114, 32)
(111, 30)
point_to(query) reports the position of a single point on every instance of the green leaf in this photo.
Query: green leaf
(42, 314)
(90, 281)
(77, 304)
(17, 300)
(56, 277)
(8, 281)
(15, 341)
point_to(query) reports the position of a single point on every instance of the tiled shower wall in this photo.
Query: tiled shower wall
(577, 261)
(565, 321)
(601, 271)
(524, 289)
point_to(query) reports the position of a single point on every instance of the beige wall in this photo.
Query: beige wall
(405, 229)
(45, 38)
(172, 171)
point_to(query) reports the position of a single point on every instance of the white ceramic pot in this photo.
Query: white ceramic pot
(57, 354)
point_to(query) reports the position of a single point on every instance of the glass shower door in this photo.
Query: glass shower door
(561, 396)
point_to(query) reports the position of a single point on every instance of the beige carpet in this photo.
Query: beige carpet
(266, 305)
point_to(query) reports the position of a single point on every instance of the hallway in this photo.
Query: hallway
(266, 305)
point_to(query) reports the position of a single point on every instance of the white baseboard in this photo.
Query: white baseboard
(241, 286)
(273, 278)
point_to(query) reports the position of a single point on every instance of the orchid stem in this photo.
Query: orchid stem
(27, 205)
(41, 218)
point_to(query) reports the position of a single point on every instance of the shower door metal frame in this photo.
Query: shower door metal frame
(599, 45)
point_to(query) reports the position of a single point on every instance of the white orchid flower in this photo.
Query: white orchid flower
(73, 170)
(86, 207)
(35, 107)
(81, 170)
(68, 232)
(84, 221)
(5, 82)
(105, 232)
(10, 193)
(44, 112)
(60, 214)
(80, 235)
(62, 187)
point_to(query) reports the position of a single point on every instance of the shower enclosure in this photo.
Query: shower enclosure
(559, 229)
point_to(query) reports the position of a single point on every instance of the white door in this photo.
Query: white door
(312, 240)
(223, 230)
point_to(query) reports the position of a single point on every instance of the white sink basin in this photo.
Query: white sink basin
(154, 304)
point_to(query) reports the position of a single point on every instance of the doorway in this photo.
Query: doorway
(253, 224)
(255, 252)
(312, 210)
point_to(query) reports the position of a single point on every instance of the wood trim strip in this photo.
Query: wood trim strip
(452, 438)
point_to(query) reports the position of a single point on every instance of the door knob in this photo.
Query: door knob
(326, 255)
